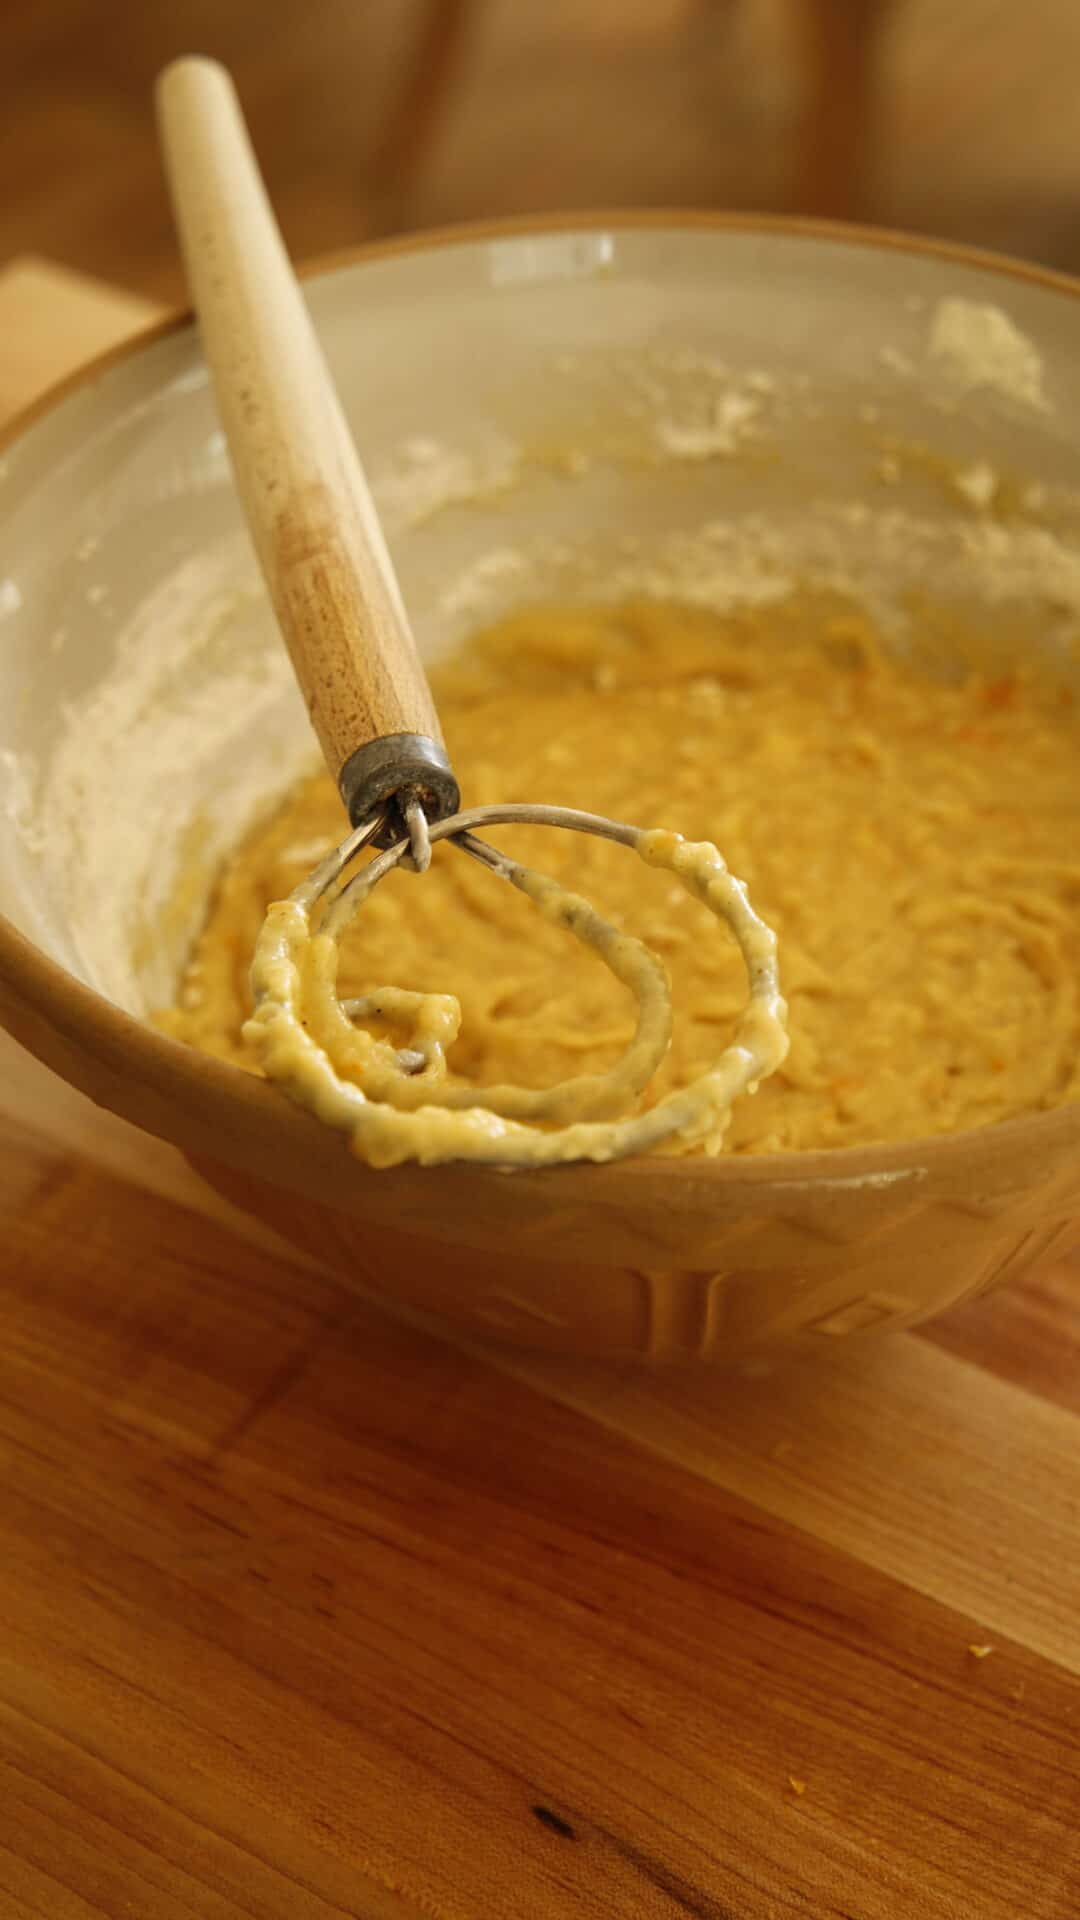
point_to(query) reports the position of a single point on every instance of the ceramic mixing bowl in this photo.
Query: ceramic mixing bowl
(698, 407)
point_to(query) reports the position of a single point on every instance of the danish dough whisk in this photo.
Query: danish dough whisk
(340, 611)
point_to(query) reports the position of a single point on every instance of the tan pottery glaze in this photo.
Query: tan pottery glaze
(663, 1259)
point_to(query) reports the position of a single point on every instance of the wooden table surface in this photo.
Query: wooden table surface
(304, 1614)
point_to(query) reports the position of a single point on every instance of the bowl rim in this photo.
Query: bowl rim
(44, 992)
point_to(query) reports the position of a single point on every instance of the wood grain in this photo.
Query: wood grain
(953, 1467)
(287, 1586)
(307, 501)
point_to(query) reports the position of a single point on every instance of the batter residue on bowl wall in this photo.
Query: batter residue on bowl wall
(912, 839)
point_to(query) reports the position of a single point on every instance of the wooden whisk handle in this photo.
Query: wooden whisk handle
(307, 502)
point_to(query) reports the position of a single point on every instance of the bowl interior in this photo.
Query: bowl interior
(709, 412)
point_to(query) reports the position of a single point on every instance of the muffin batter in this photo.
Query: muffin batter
(315, 1048)
(910, 839)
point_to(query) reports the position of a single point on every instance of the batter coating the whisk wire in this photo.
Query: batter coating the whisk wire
(342, 617)
(394, 1110)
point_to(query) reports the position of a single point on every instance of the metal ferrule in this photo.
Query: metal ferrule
(388, 774)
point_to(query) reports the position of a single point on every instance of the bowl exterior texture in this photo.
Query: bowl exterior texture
(793, 1270)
